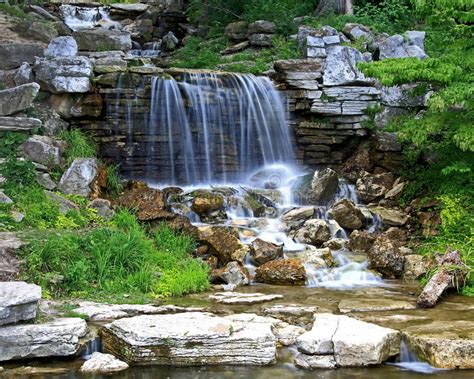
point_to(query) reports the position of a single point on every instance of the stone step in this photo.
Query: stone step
(19, 124)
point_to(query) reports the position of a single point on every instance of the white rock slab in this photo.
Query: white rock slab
(243, 298)
(18, 301)
(103, 364)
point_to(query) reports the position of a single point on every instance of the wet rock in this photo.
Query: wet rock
(149, 202)
(15, 54)
(190, 339)
(390, 216)
(284, 272)
(361, 241)
(103, 364)
(340, 66)
(169, 42)
(44, 150)
(292, 314)
(18, 302)
(450, 273)
(103, 208)
(57, 338)
(261, 26)
(100, 39)
(448, 345)
(318, 258)
(311, 362)
(264, 251)
(78, 178)
(243, 298)
(335, 243)
(374, 305)
(100, 311)
(347, 214)
(415, 267)
(64, 205)
(352, 343)
(287, 334)
(233, 273)
(61, 47)
(17, 99)
(323, 186)
(385, 257)
(24, 75)
(261, 40)
(313, 232)
(298, 214)
(237, 31)
(64, 74)
(205, 202)
(224, 243)
(397, 47)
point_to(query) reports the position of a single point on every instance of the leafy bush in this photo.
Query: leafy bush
(116, 259)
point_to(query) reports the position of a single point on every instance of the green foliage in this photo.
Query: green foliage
(199, 53)
(14, 11)
(114, 183)
(116, 259)
(9, 142)
(79, 145)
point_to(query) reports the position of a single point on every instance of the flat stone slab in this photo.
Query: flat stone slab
(190, 339)
(374, 305)
(19, 124)
(98, 311)
(58, 338)
(18, 301)
(243, 298)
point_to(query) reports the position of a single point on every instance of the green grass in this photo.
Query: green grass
(79, 145)
(115, 260)
(15, 11)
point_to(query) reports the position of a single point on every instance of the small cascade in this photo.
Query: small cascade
(78, 18)
(92, 346)
(410, 362)
(149, 50)
(216, 127)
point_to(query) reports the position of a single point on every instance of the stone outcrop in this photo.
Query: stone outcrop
(190, 339)
(347, 214)
(17, 99)
(284, 272)
(78, 178)
(57, 338)
(18, 302)
(361, 241)
(100, 363)
(341, 341)
(205, 202)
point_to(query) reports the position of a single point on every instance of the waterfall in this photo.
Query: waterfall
(210, 127)
(78, 18)
(409, 361)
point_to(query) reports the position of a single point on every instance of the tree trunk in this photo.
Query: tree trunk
(334, 6)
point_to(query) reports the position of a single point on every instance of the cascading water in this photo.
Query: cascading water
(217, 128)
(410, 362)
(78, 18)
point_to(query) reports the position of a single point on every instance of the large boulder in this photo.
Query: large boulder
(61, 47)
(385, 257)
(237, 31)
(371, 187)
(14, 54)
(57, 338)
(100, 363)
(351, 343)
(347, 214)
(323, 186)
(44, 150)
(78, 178)
(397, 46)
(298, 214)
(283, 271)
(149, 202)
(361, 241)
(99, 39)
(313, 232)
(264, 251)
(233, 273)
(17, 99)
(340, 66)
(190, 339)
(18, 301)
(224, 243)
(64, 74)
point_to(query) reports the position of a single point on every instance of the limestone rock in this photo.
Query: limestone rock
(57, 338)
(64, 205)
(318, 258)
(44, 150)
(109, 65)
(13, 100)
(356, 31)
(243, 298)
(4, 199)
(385, 257)
(298, 214)
(15, 54)
(323, 186)
(371, 187)
(264, 251)
(190, 339)
(261, 40)
(347, 214)
(237, 31)
(169, 42)
(61, 47)
(9, 263)
(103, 364)
(37, 30)
(415, 267)
(149, 202)
(130, 8)
(18, 301)
(405, 96)
(390, 216)
(336, 243)
(396, 46)
(361, 241)
(340, 66)
(311, 362)
(223, 243)
(78, 177)
(313, 232)
(205, 202)
(292, 314)
(100, 39)
(233, 273)
(64, 74)
(284, 271)
(287, 334)
(374, 305)
(387, 142)
(44, 180)
(24, 74)
(103, 208)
